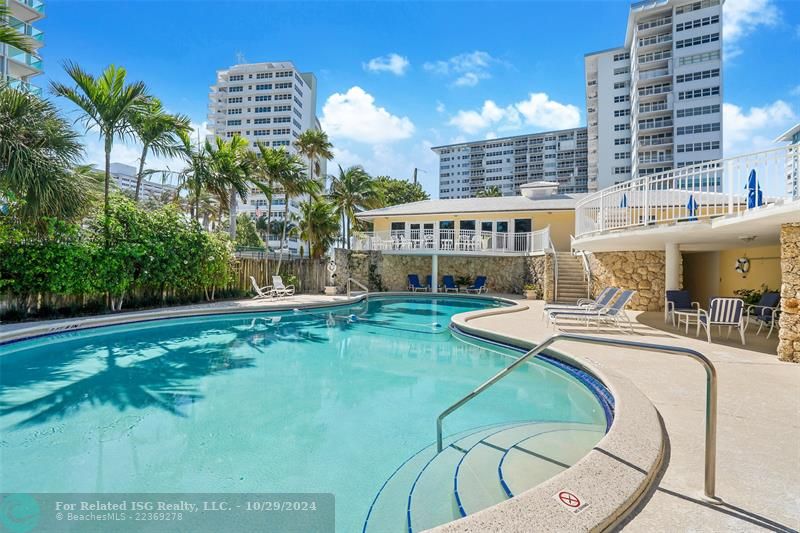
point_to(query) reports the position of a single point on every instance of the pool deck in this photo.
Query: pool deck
(758, 450)
(758, 441)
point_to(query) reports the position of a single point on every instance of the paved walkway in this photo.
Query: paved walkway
(758, 442)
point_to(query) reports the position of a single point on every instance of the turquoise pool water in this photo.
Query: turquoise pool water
(309, 401)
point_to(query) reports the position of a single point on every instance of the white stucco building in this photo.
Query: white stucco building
(654, 103)
(125, 176)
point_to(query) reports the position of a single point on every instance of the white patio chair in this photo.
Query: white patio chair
(724, 312)
(613, 314)
(280, 289)
(261, 292)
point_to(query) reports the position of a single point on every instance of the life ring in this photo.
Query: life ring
(332, 267)
(743, 265)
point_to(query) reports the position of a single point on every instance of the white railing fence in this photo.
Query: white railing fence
(453, 241)
(718, 188)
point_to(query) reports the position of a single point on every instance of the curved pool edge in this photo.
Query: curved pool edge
(613, 478)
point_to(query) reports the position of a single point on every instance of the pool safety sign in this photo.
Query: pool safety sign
(571, 501)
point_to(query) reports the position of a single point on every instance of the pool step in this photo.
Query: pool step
(431, 489)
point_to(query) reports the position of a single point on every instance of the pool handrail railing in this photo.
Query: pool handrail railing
(711, 393)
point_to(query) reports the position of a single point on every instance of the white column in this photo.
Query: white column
(672, 268)
(434, 273)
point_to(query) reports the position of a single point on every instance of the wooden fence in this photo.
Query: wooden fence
(312, 274)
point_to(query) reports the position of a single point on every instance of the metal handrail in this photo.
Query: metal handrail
(711, 392)
(363, 287)
(555, 268)
(587, 270)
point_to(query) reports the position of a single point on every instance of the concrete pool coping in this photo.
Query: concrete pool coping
(610, 480)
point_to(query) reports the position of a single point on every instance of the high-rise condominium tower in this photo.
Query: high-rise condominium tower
(17, 68)
(270, 103)
(655, 103)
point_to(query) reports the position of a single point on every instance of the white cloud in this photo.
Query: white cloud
(740, 18)
(468, 68)
(754, 129)
(795, 91)
(538, 111)
(394, 63)
(354, 115)
(440, 107)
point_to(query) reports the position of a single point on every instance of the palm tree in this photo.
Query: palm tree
(39, 157)
(319, 225)
(11, 36)
(489, 192)
(314, 145)
(352, 191)
(230, 172)
(107, 103)
(196, 174)
(159, 133)
(293, 182)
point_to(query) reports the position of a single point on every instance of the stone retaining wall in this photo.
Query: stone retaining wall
(388, 272)
(789, 331)
(643, 271)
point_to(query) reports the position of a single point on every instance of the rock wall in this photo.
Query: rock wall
(388, 272)
(789, 331)
(643, 271)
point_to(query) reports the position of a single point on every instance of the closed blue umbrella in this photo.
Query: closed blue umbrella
(754, 196)
(624, 201)
(692, 207)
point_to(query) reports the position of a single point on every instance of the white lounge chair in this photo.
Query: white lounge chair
(261, 292)
(613, 314)
(280, 289)
(724, 312)
(603, 300)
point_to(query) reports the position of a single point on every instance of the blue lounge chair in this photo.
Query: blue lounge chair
(414, 284)
(723, 312)
(765, 312)
(479, 286)
(429, 281)
(678, 301)
(613, 314)
(449, 284)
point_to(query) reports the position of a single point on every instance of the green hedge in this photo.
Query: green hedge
(134, 251)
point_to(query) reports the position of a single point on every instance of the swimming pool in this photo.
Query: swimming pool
(319, 400)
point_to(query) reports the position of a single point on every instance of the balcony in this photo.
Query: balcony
(719, 193)
(28, 61)
(453, 242)
(20, 85)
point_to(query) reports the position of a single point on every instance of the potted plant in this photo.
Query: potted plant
(463, 282)
(532, 291)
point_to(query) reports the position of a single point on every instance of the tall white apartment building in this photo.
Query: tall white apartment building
(508, 162)
(270, 103)
(17, 68)
(655, 103)
(125, 176)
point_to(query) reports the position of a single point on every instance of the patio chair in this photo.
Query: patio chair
(449, 284)
(261, 292)
(479, 286)
(723, 312)
(678, 301)
(429, 281)
(280, 289)
(765, 312)
(414, 284)
(603, 299)
(613, 314)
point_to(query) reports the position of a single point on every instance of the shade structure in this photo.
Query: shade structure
(692, 207)
(624, 201)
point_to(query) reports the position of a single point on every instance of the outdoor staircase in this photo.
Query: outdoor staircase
(571, 278)
(475, 470)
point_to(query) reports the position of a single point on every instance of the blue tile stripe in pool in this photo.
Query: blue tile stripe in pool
(596, 386)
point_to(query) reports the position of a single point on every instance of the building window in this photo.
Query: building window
(236, 77)
(262, 121)
(622, 112)
(235, 111)
(622, 98)
(699, 58)
(698, 93)
(695, 111)
(234, 123)
(235, 89)
(695, 41)
(622, 57)
(263, 86)
(697, 128)
(700, 75)
(262, 109)
(695, 6)
(698, 147)
(263, 98)
(696, 23)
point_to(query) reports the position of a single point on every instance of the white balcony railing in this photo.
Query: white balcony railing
(726, 187)
(448, 241)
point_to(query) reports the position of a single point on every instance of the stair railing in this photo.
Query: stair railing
(711, 392)
(359, 284)
(555, 269)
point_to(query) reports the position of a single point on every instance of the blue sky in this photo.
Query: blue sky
(398, 77)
